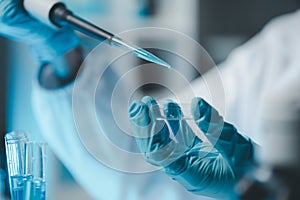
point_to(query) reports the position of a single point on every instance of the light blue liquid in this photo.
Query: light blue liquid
(36, 189)
(17, 184)
(26, 188)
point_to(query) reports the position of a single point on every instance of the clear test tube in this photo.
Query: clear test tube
(185, 112)
(35, 170)
(186, 117)
(26, 167)
(15, 154)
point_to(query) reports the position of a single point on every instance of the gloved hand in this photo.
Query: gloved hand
(45, 43)
(198, 165)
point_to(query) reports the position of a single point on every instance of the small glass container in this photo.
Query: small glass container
(26, 162)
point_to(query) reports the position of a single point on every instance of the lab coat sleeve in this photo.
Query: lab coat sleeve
(253, 69)
(53, 111)
(96, 164)
(249, 71)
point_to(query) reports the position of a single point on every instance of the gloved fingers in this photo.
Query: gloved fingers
(45, 42)
(153, 106)
(159, 129)
(139, 114)
(151, 135)
(207, 119)
(182, 132)
(222, 135)
(18, 25)
(173, 113)
(201, 110)
(172, 109)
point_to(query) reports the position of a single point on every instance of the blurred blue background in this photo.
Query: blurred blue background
(219, 26)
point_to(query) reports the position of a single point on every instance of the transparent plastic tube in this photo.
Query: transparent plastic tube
(185, 109)
(35, 168)
(186, 119)
(26, 167)
(15, 154)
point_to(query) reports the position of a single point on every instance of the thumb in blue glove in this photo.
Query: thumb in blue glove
(199, 166)
(153, 136)
(45, 43)
(236, 148)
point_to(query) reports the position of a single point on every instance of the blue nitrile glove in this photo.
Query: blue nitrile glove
(199, 166)
(45, 43)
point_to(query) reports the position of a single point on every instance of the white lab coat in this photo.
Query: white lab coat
(249, 72)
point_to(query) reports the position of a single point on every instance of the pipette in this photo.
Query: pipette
(56, 13)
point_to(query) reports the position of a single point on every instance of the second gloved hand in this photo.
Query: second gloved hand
(46, 43)
(206, 168)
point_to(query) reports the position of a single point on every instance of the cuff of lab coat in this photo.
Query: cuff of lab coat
(47, 79)
(61, 71)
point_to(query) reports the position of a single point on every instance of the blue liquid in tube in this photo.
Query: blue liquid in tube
(18, 187)
(36, 189)
(27, 188)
